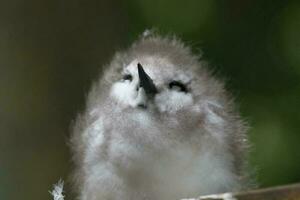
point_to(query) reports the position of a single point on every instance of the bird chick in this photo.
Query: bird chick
(158, 126)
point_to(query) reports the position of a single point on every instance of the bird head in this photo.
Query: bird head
(160, 79)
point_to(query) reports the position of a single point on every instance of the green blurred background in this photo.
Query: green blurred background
(50, 51)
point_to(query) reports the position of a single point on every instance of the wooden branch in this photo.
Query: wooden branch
(289, 192)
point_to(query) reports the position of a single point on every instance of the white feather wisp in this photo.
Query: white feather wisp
(57, 191)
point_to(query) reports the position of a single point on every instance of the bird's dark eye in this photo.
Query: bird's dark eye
(127, 77)
(176, 85)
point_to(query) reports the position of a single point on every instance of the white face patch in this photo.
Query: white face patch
(125, 94)
(171, 101)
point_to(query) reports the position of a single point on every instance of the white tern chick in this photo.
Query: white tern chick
(158, 126)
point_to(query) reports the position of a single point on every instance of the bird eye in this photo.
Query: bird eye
(176, 85)
(127, 77)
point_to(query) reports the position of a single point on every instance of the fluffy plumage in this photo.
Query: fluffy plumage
(184, 140)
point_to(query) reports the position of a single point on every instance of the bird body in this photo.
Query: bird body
(158, 126)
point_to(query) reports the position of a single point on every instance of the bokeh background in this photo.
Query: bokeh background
(51, 50)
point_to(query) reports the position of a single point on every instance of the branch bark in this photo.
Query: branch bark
(289, 192)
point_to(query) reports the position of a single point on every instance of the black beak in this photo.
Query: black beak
(146, 82)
